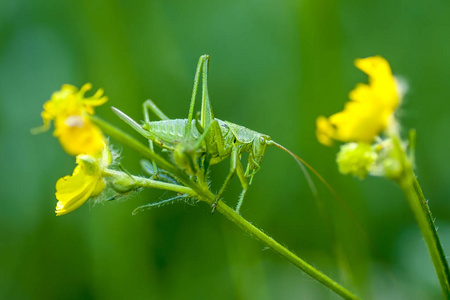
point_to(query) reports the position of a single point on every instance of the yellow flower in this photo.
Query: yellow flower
(369, 110)
(70, 110)
(85, 182)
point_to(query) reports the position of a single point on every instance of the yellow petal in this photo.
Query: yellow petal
(68, 88)
(84, 137)
(381, 80)
(370, 107)
(73, 191)
(96, 101)
(86, 87)
(362, 93)
(325, 132)
(85, 182)
(375, 66)
(99, 187)
(359, 121)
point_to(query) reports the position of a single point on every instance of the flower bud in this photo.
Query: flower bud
(356, 159)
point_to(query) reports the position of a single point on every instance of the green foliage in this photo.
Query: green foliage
(275, 67)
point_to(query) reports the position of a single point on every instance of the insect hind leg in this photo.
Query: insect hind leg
(146, 106)
(150, 105)
(202, 62)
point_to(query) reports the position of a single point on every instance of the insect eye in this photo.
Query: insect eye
(262, 140)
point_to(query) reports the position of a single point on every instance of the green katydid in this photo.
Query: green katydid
(198, 144)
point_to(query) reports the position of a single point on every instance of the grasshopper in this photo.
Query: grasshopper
(197, 144)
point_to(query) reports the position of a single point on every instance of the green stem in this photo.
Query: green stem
(208, 197)
(278, 248)
(149, 183)
(419, 206)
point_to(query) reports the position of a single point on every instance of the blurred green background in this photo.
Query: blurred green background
(275, 66)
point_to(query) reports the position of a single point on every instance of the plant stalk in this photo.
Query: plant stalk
(419, 205)
(256, 233)
(206, 196)
(150, 183)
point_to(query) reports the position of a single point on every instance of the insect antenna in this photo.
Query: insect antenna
(302, 164)
(347, 209)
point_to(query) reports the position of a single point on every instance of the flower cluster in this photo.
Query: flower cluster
(93, 176)
(373, 146)
(368, 115)
(69, 109)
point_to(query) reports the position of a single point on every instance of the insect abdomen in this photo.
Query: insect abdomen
(169, 133)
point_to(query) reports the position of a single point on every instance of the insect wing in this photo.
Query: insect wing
(242, 134)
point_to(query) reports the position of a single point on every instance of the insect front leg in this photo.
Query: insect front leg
(244, 184)
(146, 106)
